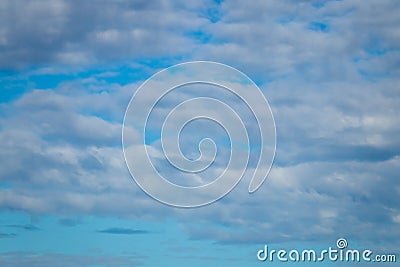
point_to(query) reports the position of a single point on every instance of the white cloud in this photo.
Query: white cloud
(72, 33)
(334, 94)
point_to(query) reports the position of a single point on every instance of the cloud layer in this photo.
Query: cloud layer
(330, 71)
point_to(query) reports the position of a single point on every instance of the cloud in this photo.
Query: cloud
(335, 154)
(28, 227)
(24, 258)
(69, 222)
(274, 39)
(347, 199)
(333, 91)
(72, 33)
(123, 231)
(7, 235)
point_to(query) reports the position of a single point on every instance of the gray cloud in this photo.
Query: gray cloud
(26, 258)
(123, 231)
(334, 94)
(71, 32)
(60, 164)
(7, 235)
(273, 39)
(337, 122)
(28, 227)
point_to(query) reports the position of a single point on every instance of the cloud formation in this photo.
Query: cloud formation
(329, 69)
(122, 231)
(27, 227)
(72, 33)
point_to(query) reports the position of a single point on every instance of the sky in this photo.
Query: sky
(68, 69)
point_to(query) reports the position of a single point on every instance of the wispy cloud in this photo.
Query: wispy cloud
(28, 227)
(6, 235)
(123, 231)
(27, 258)
(69, 221)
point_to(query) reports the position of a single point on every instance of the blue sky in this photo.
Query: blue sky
(329, 69)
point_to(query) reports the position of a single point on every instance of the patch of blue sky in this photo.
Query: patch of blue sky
(15, 84)
(285, 20)
(318, 26)
(376, 47)
(371, 76)
(120, 74)
(199, 36)
(49, 81)
(151, 65)
(5, 185)
(151, 136)
(82, 237)
(140, 70)
(371, 53)
(214, 13)
(378, 51)
(12, 86)
(319, 4)
(161, 243)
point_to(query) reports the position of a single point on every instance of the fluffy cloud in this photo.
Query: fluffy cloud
(71, 32)
(328, 69)
(274, 39)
